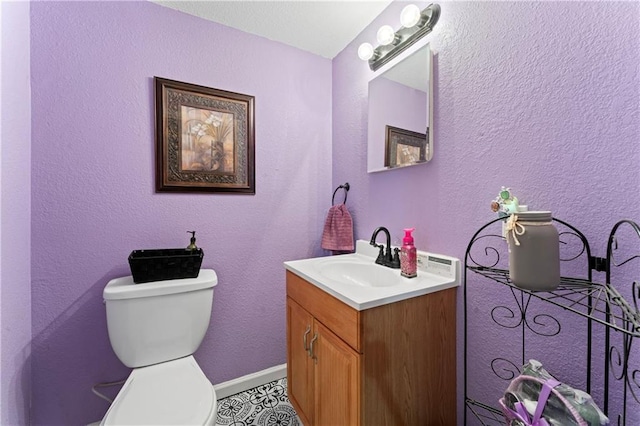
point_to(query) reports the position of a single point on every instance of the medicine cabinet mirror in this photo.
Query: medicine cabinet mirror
(400, 130)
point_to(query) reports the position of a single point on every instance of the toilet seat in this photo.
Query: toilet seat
(170, 393)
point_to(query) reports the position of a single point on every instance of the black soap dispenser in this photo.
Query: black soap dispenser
(192, 245)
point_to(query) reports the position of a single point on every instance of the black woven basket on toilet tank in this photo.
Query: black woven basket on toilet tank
(164, 264)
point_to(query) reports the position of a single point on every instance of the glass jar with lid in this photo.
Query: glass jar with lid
(534, 251)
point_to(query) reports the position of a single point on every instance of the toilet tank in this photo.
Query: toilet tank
(158, 321)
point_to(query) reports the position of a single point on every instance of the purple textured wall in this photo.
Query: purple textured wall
(15, 216)
(539, 96)
(93, 195)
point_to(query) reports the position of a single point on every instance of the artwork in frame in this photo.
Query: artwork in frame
(404, 147)
(205, 139)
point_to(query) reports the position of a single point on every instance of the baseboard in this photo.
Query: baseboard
(250, 381)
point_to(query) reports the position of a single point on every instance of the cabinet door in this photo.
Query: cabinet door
(299, 363)
(337, 379)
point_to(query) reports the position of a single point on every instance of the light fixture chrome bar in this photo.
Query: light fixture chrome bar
(406, 37)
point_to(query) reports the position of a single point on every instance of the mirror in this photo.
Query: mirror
(400, 130)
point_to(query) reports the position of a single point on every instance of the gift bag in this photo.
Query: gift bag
(536, 398)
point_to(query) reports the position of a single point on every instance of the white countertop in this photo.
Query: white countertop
(435, 272)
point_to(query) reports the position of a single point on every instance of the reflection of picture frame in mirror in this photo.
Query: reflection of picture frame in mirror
(404, 147)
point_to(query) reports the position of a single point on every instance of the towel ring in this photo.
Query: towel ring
(346, 192)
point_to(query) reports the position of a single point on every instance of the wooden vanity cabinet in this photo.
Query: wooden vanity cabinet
(389, 365)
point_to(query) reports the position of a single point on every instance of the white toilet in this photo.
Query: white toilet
(155, 328)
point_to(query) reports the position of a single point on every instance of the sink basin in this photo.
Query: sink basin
(358, 281)
(365, 274)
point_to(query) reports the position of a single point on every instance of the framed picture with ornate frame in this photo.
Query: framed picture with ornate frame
(404, 147)
(205, 139)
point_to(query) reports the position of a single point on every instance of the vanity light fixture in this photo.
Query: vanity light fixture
(415, 25)
(365, 51)
(410, 16)
(386, 35)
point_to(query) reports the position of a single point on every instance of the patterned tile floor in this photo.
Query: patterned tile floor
(266, 405)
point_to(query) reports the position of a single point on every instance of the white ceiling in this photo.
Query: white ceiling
(321, 27)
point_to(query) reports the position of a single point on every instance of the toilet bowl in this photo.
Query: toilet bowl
(154, 328)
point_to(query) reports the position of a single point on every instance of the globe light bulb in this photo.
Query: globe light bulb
(386, 35)
(410, 16)
(365, 51)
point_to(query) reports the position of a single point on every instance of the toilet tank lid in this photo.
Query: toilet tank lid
(125, 288)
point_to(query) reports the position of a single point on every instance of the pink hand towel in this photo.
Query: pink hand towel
(338, 230)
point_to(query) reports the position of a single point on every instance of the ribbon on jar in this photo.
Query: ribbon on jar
(515, 228)
(518, 228)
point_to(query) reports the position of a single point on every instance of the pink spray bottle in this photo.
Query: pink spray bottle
(408, 259)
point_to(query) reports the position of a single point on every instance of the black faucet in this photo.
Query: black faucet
(385, 259)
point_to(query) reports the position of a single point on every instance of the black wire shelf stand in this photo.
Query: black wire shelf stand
(607, 312)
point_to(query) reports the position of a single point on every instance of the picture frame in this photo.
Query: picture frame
(205, 139)
(405, 147)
